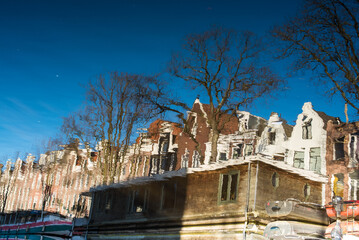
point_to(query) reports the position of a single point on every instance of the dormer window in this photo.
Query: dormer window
(307, 129)
(271, 137)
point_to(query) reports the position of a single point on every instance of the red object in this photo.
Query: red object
(349, 227)
(350, 210)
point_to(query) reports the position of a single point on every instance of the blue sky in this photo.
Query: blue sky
(49, 50)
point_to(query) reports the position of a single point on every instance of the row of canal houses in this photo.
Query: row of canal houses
(168, 188)
(180, 194)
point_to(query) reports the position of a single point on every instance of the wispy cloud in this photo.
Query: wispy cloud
(47, 107)
(23, 123)
(21, 107)
(13, 110)
(19, 131)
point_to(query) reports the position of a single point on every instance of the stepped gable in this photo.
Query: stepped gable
(326, 118)
(230, 121)
(154, 130)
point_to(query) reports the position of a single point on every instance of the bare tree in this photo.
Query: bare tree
(114, 108)
(225, 66)
(324, 37)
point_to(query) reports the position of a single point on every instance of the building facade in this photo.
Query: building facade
(167, 150)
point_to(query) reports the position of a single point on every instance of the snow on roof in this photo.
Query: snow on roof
(310, 175)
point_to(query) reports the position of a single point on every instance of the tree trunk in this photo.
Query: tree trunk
(214, 141)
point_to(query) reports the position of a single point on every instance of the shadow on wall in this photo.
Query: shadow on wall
(150, 210)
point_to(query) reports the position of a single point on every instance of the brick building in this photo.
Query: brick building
(167, 150)
(342, 160)
(59, 177)
(257, 161)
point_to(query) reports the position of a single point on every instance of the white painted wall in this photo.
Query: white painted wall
(319, 137)
(275, 124)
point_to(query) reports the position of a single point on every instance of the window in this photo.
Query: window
(248, 150)
(138, 200)
(339, 148)
(271, 138)
(315, 160)
(93, 156)
(354, 189)
(38, 182)
(155, 165)
(298, 159)
(78, 160)
(165, 147)
(237, 151)
(173, 161)
(338, 184)
(165, 163)
(192, 122)
(228, 187)
(146, 166)
(306, 190)
(275, 180)
(184, 158)
(353, 147)
(196, 159)
(222, 156)
(307, 129)
(354, 186)
(164, 143)
(253, 122)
